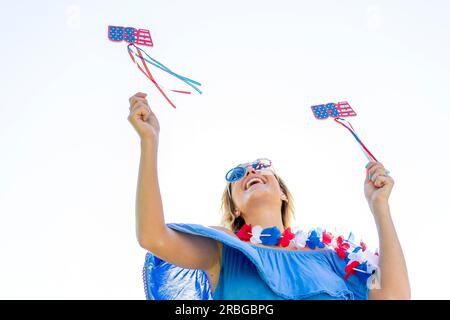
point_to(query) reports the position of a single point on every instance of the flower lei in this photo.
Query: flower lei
(360, 261)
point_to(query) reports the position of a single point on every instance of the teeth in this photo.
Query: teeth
(251, 180)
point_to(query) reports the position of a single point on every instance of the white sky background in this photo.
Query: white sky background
(69, 159)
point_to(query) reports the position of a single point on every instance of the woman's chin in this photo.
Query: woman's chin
(258, 191)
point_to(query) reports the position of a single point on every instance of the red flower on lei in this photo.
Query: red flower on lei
(286, 237)
(349, 269)
(245, 233)
(342, 247)
(327, 237)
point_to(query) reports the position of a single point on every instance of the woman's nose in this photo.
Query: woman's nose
(250, 170)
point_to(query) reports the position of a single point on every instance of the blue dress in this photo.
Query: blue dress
(253, 272)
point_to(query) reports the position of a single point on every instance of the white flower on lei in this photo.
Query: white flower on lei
(256, 234)
(300, 238)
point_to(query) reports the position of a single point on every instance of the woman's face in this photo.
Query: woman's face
(256, 188)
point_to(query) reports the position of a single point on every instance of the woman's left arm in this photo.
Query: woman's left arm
(392, 264)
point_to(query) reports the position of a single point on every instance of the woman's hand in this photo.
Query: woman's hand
(378, 184)
(142, 118)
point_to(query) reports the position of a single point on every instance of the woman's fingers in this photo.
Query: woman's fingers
(135, 100)
(378, 172)
(140, 108)
(376, 168)
(369, 167)
(139, 95)
(381, 181)
(139, 105)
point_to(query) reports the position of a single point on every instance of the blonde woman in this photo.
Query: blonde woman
(255, 254)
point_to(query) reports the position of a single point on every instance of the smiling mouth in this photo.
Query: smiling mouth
(252, 182)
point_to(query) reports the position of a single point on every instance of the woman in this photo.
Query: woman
(256, 256)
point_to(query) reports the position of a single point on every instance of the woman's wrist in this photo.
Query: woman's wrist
(379, 208)
(149, 143)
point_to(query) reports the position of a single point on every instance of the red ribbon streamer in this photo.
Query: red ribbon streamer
(356, 136)
(150, 77)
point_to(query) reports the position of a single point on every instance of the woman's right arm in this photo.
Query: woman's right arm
(178, 248)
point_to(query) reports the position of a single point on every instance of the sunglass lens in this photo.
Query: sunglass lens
(261, 164)
(235, 174)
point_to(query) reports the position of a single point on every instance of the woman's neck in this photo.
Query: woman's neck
(264, 217)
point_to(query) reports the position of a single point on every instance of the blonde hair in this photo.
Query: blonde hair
(234, 224)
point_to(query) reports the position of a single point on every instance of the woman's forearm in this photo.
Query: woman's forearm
(394, 274)
(150, 224)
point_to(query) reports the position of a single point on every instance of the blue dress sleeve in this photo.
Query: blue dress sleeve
(165, 281)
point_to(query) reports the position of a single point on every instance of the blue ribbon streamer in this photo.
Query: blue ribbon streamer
(159, 65)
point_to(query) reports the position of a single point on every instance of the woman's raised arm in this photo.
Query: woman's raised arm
(184, 250)
(394, 274)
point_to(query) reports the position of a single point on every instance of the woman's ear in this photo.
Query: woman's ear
(236, 213)
(284, 197)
